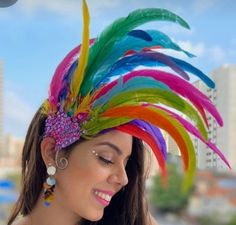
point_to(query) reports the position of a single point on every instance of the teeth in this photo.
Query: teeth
(103, 196)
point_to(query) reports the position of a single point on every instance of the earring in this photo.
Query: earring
(49, 185)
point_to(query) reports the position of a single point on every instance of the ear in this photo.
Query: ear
(48, 150)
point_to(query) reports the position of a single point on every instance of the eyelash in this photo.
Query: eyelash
(105, 160)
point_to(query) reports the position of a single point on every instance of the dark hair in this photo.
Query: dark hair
(126, 207)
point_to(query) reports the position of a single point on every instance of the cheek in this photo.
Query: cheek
(82, 177)
(75, 188)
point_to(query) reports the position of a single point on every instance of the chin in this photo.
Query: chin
(94, 217)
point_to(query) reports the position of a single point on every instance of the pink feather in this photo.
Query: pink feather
(177, 84)
(58, 76)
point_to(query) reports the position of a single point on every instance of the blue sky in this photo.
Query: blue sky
(36, 34)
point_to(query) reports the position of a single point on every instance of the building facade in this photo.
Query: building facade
(223, 97)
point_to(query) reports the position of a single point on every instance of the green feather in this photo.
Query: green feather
(94, 127)
(156, 95)
(113, 33)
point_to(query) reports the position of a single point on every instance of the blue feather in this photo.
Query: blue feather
(143, 59)
(140, 34)
(152, 59)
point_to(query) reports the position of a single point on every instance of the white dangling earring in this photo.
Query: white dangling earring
(49, 185)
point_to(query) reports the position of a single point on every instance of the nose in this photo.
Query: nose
(119, 176)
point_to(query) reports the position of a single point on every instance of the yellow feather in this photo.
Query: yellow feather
(190, 170)
(84, 105)
(83, 58)
(45, 108)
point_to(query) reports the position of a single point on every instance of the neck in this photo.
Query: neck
(56, 213)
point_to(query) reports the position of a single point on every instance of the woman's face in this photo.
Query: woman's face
(95, 173)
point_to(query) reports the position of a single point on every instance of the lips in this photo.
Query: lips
(103, 197)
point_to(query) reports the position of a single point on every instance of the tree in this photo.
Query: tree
(209, 220)
(232, 221)
(169, 198)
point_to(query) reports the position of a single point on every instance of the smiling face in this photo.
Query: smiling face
(96, 172)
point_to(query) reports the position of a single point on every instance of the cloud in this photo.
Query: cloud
(174, 29)
(65, 7)
(17, 113)
(201, 6)
(59, 6)
(216, 54)
(197, 49)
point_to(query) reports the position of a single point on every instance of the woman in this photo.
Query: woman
(83, 159)
(96, 171)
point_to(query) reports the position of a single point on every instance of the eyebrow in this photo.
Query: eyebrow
(114, 147)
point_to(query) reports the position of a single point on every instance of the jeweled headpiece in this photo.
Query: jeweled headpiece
(117, 81)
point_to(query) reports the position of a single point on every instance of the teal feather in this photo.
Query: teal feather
(165, 42)
(132, 84)
(115, 32)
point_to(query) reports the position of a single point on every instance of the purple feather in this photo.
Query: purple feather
(155, 132)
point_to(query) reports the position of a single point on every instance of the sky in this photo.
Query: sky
(35, 35)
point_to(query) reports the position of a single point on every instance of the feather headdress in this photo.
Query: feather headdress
(100, 85)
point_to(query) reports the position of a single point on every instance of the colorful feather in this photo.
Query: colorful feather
(146, 59)
(131, 85)
(165, 42)
(98, 124)
(194, 131)
(153, 59)
(131, 44)
(115, 32)
(141, 34)
(148, 138)
(161, 119)
(83, 58)
(156, 96)
(178, 85)
(155, 133)
(58, 80)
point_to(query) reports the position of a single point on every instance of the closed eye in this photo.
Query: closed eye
(106, 161)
